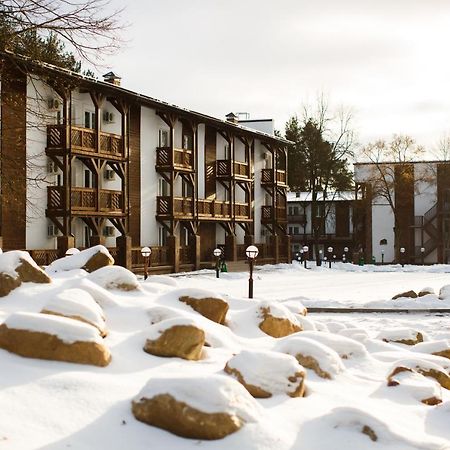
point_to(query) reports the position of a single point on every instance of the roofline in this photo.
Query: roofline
(144, 99)
(433, 161)
(255, 120)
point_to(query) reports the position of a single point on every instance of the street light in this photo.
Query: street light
(305, 255)
(422, 254)
(146, 252)
(402, 256)
(251, 252)
(297, 257)
(217, 253)
(382, 256)
(72, 251)
(345, 253)
(319, 262)
(330, 251)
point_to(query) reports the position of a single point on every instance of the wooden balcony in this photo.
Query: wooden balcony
(181, 207)
(242, 211)
(85, 200)
(297, 218)
(183, 160)
(269, 178)
(83, 142)
(214, 209)
(269, 214)
(223, 169)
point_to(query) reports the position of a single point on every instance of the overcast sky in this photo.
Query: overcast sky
(389, 60)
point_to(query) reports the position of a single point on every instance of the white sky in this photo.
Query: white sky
(386, 59)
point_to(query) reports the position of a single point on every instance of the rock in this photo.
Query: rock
(444, 292)
(296, 306)
(197, 407)
(406, 336)
(426, 291)
(17, 267)
(115, 277)
(214, 309)
(369, 432)
(97, 261)
(277, 320)
(183, 341)
(311, 354)
(407, 294)
(267, 373)
(54, 338)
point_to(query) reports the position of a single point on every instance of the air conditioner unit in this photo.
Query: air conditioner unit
(52, 167)
(109, 174)
(53, 104)
(108, 117)
(108, 231)
(52, 230)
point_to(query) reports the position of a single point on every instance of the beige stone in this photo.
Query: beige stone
(276, 326)
(311, 363)
(407, 294)
(164, 411)
(183, 341)
(97, 261)
(418, 338)
(33, 344)
(369, 432)
(214, 309)
(8, 284)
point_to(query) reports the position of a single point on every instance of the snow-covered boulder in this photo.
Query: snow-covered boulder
(276, 320)
(408, 336)
(358, 334)
(265, 373)
(295, 306)
(213, 308)
(162, 279)
(426, 291)
(17, 267)
(335, 327)
(43, 336)
(180, 337)
(444, 292)
(424, 367)
(79, 305)
(424, 389)
(91, 259)
(197, 407)
(345, 347)
(407, 294)
(437, 348)
(306, 323)
(323, 360)
(115, 277)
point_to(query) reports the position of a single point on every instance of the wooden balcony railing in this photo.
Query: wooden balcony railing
(182, 159)
(159, 256)
(241, 210)
(267, 176)
(213, 208)
(85, 199)
(268, 214)
(297, 218)
(241, 169)
(83, 140)
(181, 206)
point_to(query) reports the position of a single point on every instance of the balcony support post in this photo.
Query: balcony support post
(275, 244)
(123, 244)
(289, 249)
(173, 243)
(97, 240)
(194, 243)
(64, 243)
(230, 247)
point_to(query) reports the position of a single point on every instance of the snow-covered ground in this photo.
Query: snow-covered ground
(55, 405)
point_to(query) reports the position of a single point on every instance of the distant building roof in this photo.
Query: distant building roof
(332, 196)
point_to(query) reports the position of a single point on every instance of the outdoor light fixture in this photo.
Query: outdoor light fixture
(402, 256)
(422, 255)
(305, 255)
(319, 261)
(72, 251)
(146, 252)
(252, 253)
(330, 251)
(217, 253)
(382, 256)
(345, 254)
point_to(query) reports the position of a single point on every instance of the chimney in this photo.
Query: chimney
(112, 78)
(232, 117)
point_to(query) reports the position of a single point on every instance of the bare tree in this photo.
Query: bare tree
(391, 174)
(442, 150)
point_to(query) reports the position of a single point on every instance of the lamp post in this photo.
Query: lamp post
(382, 256)
(146, 252)
(297, 257)
(217, 253)
(305, 255)
(402, 256)
(319, 262)
(252, 253)
(72, 251)
(422, 255)
(330, 252)
(345, 253)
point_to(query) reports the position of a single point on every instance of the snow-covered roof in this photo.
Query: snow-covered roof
(331, 196)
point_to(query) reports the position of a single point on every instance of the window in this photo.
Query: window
(163, 187)
(163, 138)
(186, 189)
(187, 142)
(87, 178)
(162, 236)
(89, 119)
(226, 151)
